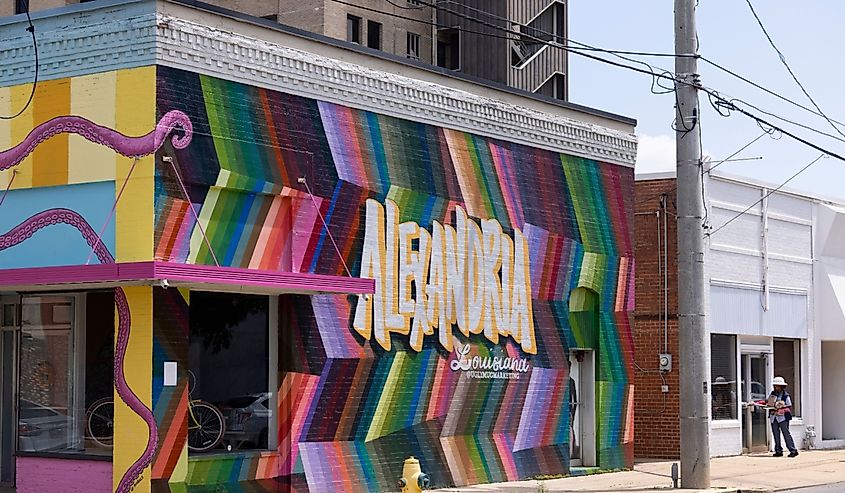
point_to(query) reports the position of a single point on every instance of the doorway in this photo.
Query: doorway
(755, 420)
(582, 408)
(9, 324)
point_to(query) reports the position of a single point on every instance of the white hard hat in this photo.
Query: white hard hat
(779, 381)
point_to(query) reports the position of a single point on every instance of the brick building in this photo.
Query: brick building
(245, 257)
(463, 36)
(657, 424)
(773, 303)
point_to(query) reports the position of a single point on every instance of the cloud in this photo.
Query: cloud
(655, 154)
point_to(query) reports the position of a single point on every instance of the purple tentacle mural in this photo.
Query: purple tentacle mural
(127, 146)
(120, 143)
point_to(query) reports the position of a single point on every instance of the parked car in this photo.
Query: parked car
(247, 420)
(758, 391)
(41, 428)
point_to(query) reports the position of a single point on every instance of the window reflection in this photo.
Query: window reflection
(229, 362)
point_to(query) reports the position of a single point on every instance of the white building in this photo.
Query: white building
(776, 302)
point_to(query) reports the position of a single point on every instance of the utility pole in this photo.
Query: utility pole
(694, 391)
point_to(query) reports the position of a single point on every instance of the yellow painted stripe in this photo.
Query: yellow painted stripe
(386, 400)
(464, 172)
(180, 471)
(92, 97)
(131, 432)
(20, 128)
(205, 213)
(5, 131)
(52, 99)
(135, 116)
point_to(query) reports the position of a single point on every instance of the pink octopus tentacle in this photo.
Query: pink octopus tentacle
(50, 217)
(98, 134)
(133, 473)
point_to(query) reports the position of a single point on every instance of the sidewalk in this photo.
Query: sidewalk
(761, 473)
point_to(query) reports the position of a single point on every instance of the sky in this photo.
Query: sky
(807, 33)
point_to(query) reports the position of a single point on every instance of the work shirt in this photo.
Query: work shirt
(782, 396)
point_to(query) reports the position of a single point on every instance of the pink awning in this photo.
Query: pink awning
(198, 277)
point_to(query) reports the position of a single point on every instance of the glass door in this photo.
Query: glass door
(755, 419)
(9, 323)
(575, 407)
(582, 408)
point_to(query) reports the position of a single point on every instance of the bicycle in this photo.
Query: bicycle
(206, 424)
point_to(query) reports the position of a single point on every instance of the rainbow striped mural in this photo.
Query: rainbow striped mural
(349, 411)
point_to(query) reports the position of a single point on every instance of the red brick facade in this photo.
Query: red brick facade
(657, 421)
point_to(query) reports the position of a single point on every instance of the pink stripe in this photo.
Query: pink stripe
(506, 455)
(502, 162)
(301, 414)
(267, 229)
(37, 475)
(621, 284)
(631, 298)
(355, 158)
(305, 220)
(182, 245)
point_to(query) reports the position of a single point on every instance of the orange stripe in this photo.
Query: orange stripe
(271, 248)
(50, 160)
(271, 132)
(171, 446)
(175, 215)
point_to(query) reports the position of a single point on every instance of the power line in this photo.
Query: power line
(807, 166)
(31, 29)
(721, 101)
(727, 104)
(729, 158)
(586, 47)
(781, 118)
(765, 89)
(789, 69)
(405, 7)
(618, 53)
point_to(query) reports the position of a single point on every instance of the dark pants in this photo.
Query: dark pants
(779, 427)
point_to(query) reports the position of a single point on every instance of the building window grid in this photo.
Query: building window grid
(413, 45)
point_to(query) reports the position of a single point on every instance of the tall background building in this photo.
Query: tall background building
(518, 43)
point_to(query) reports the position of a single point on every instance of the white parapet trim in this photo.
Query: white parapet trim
(232, 49)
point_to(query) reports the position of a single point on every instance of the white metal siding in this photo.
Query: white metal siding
(736, 310)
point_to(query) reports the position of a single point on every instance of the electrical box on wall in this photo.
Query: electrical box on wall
(665, 362)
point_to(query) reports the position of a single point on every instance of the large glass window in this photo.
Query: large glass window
(66, 379)
(723, 376)
(788, 365)
(229, 377)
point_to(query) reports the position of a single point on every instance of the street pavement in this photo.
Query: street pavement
(748, 473)
(828, 488)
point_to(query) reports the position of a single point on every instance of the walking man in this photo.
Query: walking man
(780, 404)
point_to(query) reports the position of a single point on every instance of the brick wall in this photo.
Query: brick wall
(359, 400)
(657, 415)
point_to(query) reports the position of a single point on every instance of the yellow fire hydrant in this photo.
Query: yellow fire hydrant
(413, 479)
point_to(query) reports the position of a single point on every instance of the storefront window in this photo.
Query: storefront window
(788, 366)
(66, 360)
(229, 378)
(723, 376)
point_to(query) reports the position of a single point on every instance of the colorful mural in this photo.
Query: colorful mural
(132, 147)
(351, 409)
